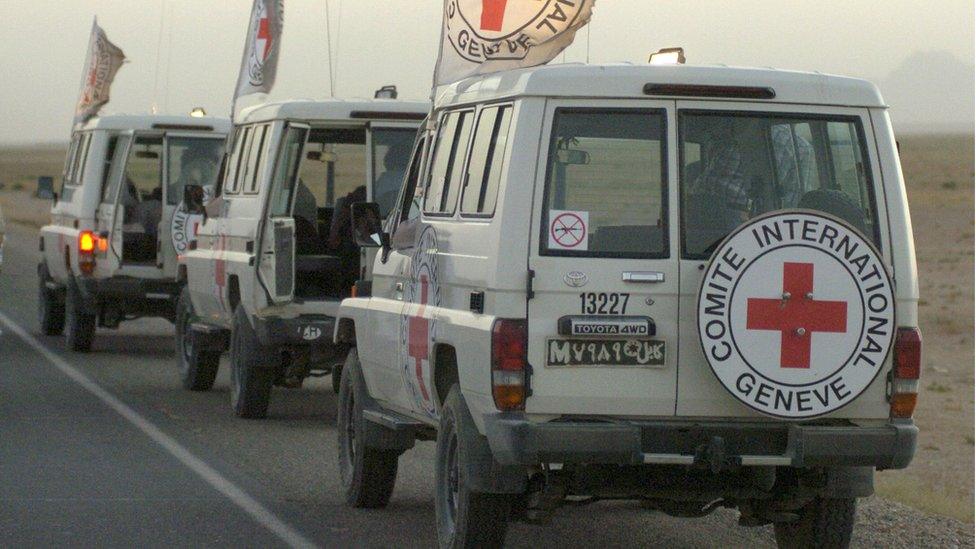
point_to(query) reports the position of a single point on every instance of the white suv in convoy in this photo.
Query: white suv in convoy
(275, 253)
(110, 251)
(689, 286)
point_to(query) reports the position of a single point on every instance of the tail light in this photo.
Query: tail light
(908, 369)
(87, 243)
(509, 364)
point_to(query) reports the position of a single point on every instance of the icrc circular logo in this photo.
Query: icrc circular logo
(796, 314)
(482, 30)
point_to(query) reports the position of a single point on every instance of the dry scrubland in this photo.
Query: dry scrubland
(939, 172)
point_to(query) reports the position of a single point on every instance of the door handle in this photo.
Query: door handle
(643, 277)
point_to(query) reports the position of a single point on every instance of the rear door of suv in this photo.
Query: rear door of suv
(783, 157)
(603, 320)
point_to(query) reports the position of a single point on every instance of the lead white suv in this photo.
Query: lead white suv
(275, 254)
(109, 253)
(690, 286)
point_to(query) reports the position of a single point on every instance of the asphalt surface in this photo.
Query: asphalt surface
(106, 449)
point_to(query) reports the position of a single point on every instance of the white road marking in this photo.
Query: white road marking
(237, 496)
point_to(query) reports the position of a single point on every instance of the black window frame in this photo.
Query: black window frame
(854, 119)
(458, 146)
(545, 251)
(496, 132)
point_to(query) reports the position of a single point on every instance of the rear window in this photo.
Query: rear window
(192, 161)
(736, 166)
(606, 184)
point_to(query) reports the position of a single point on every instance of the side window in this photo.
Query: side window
(114, 162)
(410, 209)
(78, 163)
(286, 172)
(255, 160)
(235, 172)
(445, 176)
(486, 161)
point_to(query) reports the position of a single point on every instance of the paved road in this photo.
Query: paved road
(106, 449)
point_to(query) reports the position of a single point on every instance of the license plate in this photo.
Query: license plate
(605, 352)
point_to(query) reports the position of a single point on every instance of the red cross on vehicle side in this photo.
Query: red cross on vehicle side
(418, 346)
(796, 315)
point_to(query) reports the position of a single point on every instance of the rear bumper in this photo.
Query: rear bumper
(128, 289)
(305, 330)
(516, 441)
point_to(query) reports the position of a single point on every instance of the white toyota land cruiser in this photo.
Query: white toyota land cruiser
(109, 253)
(672, 284)
(275, 253)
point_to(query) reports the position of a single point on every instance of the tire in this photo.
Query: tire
(368, 475)
(252, 370)
(79, 332)
(198, 369)
(50, 304)
(464, 518)
(823, 524)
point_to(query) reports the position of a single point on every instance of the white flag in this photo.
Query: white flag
(101, 63)
(260, 62)
(484, 36)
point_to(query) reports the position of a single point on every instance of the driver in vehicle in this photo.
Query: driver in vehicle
(387, 184)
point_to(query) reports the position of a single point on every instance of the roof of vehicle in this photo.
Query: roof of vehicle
(628, 81)
(157, 121)
(334, 110)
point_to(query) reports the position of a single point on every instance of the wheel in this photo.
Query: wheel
(368, 475)
(251, 370)
(50, 304)
(198, 369)
(79, 324)
(464, 518)
(823, 523)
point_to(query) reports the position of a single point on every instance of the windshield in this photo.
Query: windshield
(191, 161)
(736, 166)
(391, 154)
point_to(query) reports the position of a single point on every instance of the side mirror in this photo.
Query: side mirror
(193, 197)
(367, 226)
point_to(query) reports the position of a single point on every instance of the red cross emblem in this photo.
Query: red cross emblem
(264, 33)
(492, 14)
(797, 315)
(419, 331)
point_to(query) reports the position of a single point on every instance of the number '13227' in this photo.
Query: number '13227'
(604, 303)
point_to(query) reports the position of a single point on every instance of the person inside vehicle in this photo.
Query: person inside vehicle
(722, 182)
(796, 167)
(387, 185)
(198, 166)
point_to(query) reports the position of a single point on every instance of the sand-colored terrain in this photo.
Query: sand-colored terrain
(940, 180)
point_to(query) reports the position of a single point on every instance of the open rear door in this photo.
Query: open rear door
(109, 218)
(603, 320)
(276, 260)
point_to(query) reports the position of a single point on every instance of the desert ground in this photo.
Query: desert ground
(939, 172)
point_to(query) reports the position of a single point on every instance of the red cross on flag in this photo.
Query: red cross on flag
(485, 36)
(101, 63)
(261, 48)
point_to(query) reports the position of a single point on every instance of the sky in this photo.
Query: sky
(186, 53)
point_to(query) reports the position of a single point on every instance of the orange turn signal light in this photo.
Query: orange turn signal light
(903, 405)
(86, 242)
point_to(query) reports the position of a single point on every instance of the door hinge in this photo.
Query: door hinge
(530, 289)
